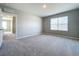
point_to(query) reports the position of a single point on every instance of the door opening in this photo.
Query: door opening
(9, 26)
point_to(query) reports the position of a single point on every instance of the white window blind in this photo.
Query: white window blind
(60, 23)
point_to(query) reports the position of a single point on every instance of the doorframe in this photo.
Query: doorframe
(14, 15)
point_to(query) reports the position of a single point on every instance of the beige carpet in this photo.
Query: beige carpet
(41, 45)
(9, 36)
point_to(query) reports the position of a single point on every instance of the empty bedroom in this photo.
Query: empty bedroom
(39, 29)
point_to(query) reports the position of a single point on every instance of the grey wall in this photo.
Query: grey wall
(28, 25)
(73, 23)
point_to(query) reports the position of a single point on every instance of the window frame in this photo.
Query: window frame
(58, 24)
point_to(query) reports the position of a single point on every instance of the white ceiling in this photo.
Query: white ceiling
(36, 8)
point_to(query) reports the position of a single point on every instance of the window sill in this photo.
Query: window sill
(58, 30)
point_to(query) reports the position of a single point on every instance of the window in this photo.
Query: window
(60, 23)
(4, 25)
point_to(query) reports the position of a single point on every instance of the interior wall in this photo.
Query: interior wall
(28, 25)
(73, 23)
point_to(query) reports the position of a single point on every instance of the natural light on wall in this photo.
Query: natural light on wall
(4, 25)
(60, 23)
(7, 23)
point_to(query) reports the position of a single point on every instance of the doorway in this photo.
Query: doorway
(9, 26)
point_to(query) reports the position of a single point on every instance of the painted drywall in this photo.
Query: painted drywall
(28, 25)
(73, 23)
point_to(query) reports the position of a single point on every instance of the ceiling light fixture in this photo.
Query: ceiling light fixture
(44, 6)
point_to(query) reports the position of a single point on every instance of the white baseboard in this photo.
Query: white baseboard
(49, 34)
(63, 36)
(69, 37)
(72, 37)
(27, 36)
